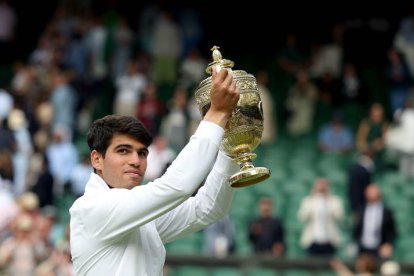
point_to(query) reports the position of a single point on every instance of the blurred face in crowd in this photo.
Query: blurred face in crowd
(321, 186)
(372, 193)
(377, 113)
(266, 207)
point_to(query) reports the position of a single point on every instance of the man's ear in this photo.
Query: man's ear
(96, 160)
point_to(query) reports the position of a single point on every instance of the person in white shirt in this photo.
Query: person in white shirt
(160, 156)
(119, 227)
(322, 212)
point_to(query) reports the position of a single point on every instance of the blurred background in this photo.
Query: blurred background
(336, 82)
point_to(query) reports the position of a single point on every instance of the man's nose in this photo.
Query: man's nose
(135, 159)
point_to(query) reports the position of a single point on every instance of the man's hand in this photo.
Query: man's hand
(224, 96)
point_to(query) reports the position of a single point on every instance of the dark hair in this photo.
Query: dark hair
(102, 131)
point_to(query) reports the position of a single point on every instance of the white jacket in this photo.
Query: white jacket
(401, 137)
(308, 213)
(122, 232)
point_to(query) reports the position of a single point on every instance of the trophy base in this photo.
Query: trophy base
(249, 177)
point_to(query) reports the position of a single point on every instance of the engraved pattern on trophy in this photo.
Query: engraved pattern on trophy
(245, 126)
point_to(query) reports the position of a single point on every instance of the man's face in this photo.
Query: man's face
(372, 193)
(124, 164)
(266, 208)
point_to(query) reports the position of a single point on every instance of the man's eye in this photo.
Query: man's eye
(123, 151)
(143, 153)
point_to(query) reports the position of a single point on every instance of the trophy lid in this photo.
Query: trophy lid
(218, 60)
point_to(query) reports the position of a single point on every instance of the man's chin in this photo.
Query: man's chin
(134, 183)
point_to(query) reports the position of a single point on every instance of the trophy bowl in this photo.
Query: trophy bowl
(245, 126)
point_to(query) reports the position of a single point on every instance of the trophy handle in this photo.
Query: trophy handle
(260, 107)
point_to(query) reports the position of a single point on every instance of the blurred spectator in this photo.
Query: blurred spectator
(371, 133)
(399, 79)
(300, 105)
(18, 124)
(8, 207)
(269, 112)
(329, 90)
(81, 174)
(8, 24)
(375, 231)
(167, 48)
(321, 211)
(353, 88)
(20, 253)
(219, 238)
(59, 263)
(63, 157)
(335, 136)
(390, 268)
(7, 149)
(46, 224)
(129, 88)
(42, 181)
(97, 43)
(28, 203)
(44, 53)
(328, 57)
(147, 18)
(75, 55)
(400, 138)
(192, 70)
(174, 125)
(8, 21)
(291, 59)
(191, 28)
(194, 115)
(404, 39)
(266, 232)
(44, 115)
(150, 109)
(6, 104)
(123, 38)
(64, 100)
(360, 175)
(159, 157)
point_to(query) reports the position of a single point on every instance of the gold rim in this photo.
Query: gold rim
(249, 177)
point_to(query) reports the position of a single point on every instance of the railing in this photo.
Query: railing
(246, 263)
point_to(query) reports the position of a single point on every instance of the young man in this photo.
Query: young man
(119, 227)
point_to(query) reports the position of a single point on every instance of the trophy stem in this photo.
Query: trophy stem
(246, 165)
(248, 174)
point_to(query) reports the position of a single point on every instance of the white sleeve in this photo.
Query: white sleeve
(114, 212)
(211, 203)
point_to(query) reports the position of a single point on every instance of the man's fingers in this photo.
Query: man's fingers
(233, 87)
(213, 71)
(221, 75)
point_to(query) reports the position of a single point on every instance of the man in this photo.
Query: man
(375, 231)
(119, 227)
(266, 232)
(359, 177)
(335, 136)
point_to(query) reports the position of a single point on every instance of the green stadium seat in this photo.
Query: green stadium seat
(226, 272)
(297, 272)
(189, 271)
(263, 272)
(188, 245)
